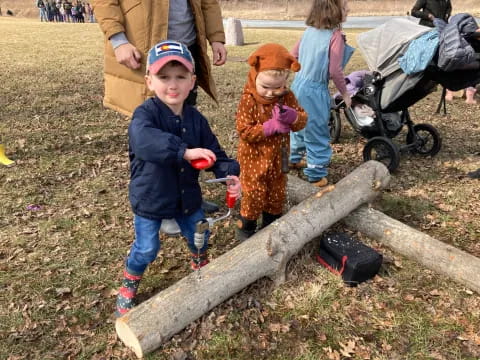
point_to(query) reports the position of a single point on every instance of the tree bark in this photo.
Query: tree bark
(426, 250)
(148, 325)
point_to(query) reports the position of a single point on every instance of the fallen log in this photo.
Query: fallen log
(422, 248)
(426, 250)
(151, 323)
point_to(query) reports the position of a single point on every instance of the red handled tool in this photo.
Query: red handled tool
(230, 201)
(206, 224)
(201, 164)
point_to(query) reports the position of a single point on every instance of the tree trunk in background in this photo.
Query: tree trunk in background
(154, 321)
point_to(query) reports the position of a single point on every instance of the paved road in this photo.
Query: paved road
(358, 22)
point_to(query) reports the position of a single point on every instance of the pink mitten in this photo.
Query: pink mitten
(287, 115)
(274, 126)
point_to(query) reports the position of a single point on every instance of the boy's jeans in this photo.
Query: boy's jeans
(147, 242)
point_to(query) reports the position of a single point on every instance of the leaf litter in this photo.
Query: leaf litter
(60, 264)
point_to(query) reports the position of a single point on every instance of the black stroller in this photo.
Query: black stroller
(389, 92)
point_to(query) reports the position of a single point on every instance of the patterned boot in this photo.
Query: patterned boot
(268, 218)
(126, 294)
(199, 260)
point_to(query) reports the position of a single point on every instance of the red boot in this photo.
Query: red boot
(128, 291)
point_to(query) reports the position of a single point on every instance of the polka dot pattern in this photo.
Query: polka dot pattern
(263, 183)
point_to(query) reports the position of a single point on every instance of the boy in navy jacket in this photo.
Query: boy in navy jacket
(164, 136)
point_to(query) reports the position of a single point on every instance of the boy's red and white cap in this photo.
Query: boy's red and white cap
(166, 51)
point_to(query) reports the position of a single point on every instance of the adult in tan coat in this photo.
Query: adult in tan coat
(145, 23)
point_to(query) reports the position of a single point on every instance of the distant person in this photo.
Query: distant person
(55, 11)
(266, 114)
(42, 11)
(89, 12)
(58, 13)
(80, 12)
(323, 53)
(63, 14)
(67, 5)
(163, 184)
(73, 12)
(427, 10)
(51, 10)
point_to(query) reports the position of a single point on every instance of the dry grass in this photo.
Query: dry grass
(21, 8)
(297, 9)
(60, 265)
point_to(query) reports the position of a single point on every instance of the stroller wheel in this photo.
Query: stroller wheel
(425, 140)
(384, 150)
(335, 125)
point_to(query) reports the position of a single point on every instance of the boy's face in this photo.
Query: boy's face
(172, 84)
(269, 86)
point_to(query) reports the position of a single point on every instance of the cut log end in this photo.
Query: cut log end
(128, 337)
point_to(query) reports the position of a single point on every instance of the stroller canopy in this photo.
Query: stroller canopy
(381, 47)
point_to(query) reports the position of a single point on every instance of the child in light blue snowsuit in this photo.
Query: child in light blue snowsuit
(322, 53)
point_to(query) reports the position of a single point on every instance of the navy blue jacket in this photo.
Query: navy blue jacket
(163, 184)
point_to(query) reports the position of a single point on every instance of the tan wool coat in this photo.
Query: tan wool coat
(145, 23)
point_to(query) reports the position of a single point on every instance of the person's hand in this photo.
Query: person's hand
(286, 115)
(128, 55)
(274, 125)
(234, 187)
(431, 17)
(199, 153)
(219, 53)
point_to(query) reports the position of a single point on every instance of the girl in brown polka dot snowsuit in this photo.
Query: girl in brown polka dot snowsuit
(266, 114)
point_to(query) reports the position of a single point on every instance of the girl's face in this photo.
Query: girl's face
(345, 10)
(269, 86)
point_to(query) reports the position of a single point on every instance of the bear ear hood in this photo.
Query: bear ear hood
(269, 57)
(273, 57)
